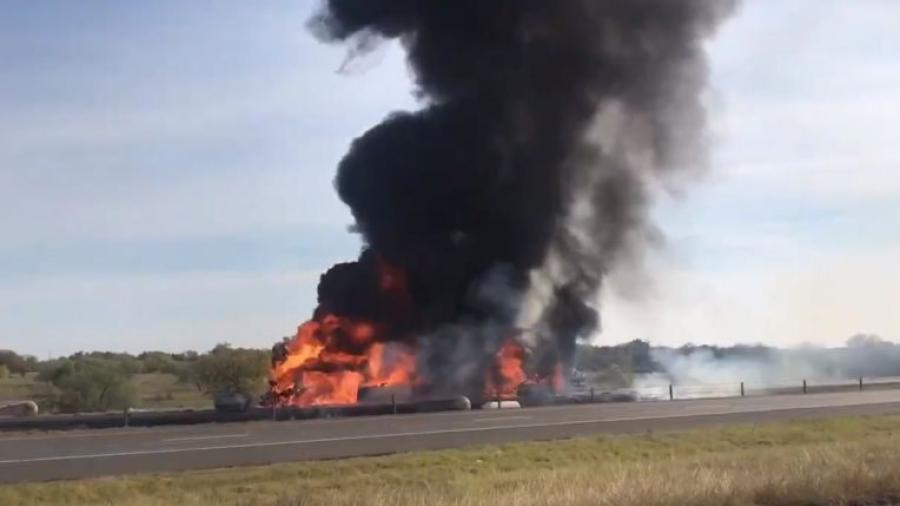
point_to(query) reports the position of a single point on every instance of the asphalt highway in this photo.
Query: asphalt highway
(93, 453)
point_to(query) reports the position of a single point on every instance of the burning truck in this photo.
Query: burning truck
(491, 216)
(335, 360)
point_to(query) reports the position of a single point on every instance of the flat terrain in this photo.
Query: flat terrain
(32, 457)
(155, 391)
(835, 461)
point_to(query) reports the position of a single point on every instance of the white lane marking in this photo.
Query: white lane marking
(501, 418)
(203, 438)
(298, 442)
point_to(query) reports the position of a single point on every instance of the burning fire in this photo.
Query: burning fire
(316, 372)
(332, 358)
(329, 360)
(503, 382)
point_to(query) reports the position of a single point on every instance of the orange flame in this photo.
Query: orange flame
(401, 368)
(329, 360)
(328, 388)
(503, 382)
(332, 357)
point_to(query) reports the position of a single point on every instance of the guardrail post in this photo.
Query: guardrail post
(393, 404)
(125, 414)
(804, 386)
(742, 389)
(671, 392)
(860, 383)
(592, 394)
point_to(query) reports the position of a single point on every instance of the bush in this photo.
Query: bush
(90, 384)
(159, 362)
(15, 363)
(225, 369)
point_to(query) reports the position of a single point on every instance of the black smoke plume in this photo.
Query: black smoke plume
(528, 170)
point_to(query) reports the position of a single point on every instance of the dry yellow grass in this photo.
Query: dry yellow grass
(845, 461)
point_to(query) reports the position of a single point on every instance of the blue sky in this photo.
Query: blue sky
(165, 177)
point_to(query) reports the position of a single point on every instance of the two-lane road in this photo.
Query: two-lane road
(30, 457)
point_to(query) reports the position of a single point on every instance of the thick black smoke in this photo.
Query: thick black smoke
(544, 124)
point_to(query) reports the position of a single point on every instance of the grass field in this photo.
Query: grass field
(155, 391)
(846, 461)
(158, 391)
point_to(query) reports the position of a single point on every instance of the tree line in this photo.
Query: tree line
(102, 381)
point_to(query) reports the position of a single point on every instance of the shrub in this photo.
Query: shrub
(90, 384)
(225, 369)
(15, 363)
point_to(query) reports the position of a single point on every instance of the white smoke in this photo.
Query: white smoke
(702, 372)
